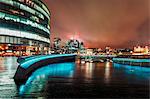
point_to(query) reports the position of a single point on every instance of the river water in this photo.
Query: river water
(76, 80)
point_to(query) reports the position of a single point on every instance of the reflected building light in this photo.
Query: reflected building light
(6, 65)
(2, 67)
(6, 80)
(107, 72)
(9, 64)
(89, 70)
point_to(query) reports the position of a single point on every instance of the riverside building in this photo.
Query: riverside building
(24, 27)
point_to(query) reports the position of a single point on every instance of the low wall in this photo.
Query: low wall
(27, 65)
(132, 62)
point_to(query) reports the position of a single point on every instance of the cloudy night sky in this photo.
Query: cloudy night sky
(100, 23)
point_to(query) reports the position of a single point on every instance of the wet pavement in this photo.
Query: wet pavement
(76, 80)
(8, 67)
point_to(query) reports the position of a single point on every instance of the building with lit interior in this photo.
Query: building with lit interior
(24, 26)
(141, 50)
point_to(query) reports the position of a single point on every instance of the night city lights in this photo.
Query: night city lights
(74, 49)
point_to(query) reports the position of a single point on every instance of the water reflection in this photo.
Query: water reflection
(107, 72)
(89, 69)
(38, 79)
(2, 67)
(132, 74)
(8, 67)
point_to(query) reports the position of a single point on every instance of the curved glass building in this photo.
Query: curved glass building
(24, 26)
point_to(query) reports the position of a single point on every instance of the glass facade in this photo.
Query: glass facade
(24, 22)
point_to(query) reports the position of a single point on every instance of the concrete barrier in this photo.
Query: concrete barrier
(132, 62)
(27, 65)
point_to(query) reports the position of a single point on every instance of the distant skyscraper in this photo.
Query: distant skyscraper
(57, 43)
(74, 45)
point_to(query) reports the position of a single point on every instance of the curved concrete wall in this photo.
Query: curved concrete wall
(30, 64)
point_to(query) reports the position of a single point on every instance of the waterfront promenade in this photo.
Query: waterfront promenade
(76, 80)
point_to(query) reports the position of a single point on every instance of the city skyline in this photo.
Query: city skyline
(74, 49)
(100, 23)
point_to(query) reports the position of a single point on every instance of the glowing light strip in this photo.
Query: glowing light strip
(23, 20)
(61, 69)
(28, 63)
(131, 60)
(22, 34)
